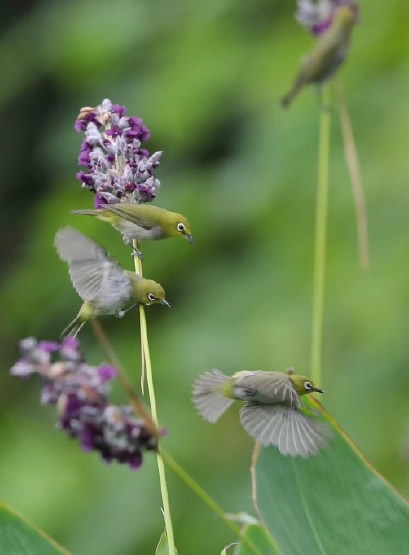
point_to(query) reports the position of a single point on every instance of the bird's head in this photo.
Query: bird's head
(176, 225)
(303, 385)
(148, 292)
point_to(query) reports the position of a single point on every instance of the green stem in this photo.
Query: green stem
(206, 498)
(320, 237)
(172, 464)
(151, 389)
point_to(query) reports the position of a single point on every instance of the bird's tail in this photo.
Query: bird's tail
(72, 329)
(208, 395)
(289, 97)
(86, 212)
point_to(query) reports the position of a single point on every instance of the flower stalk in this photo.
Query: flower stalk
(208, 500)
(320, 237)
(147, 365)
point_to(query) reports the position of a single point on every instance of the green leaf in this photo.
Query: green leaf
(258, 537)
(163, 546)
(225, 549)
(19, 537)
(258, 541)
(332, 503)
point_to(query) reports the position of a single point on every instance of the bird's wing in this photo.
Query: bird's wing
(274, 385)
(289, 429)
(131, 213)
(94, 274)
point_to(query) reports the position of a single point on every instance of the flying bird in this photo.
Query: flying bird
(272, 412)
(103, 285)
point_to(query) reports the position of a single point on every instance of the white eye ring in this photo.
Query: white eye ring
(181, 227)
(307, 386)
(151, 297)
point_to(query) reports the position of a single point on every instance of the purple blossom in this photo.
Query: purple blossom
(117, 167)
(317, 15)
(80, 393)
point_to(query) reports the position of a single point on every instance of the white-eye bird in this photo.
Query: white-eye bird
(103, 285)
(328, 54)
(142, 222)
(272, 413)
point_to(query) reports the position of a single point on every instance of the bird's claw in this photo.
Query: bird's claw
(138, 254)
(120, 314)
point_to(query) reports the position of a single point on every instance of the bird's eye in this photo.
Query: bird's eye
(181, 227)
(151, 297)
(307, 386)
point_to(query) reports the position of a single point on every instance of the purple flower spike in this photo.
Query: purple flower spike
(117, 167)
(106, 373)
(80, 393)
(317, 15)
(48, 346)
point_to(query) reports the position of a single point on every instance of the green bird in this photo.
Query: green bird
(328, 54)
(103, 285)
(142, 222)
(272, 413)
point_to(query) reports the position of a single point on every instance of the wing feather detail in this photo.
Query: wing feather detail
(274, 387)
(94, 274)
(130, 212)
(289, 429)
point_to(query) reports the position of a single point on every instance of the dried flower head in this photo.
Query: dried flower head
(317, 15)
(79, 391)
(117, 167)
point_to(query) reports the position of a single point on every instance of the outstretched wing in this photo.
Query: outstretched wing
(94, 275)
(132, 213)
(270, 387)
(289, 429)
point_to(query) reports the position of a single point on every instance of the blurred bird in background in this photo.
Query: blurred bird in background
(328, 54)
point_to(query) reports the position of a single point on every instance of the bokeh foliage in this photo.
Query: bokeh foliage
(206, 77)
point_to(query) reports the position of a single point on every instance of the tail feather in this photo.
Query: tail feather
(86, 212)
(72, 329)
(289, 97)
(207, 396)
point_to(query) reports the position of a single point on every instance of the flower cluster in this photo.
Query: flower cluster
(79, 391)
(117, 167)
(317, 15)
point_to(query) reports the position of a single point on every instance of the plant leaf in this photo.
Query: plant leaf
(163, 546)
(19, 537)
(224, 552)
(331, 503)
(256, 534)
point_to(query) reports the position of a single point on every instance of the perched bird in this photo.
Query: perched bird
(101, 283)
(272, 413)
(142, 221)
(328, 54)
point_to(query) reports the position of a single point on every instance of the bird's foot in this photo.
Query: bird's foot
(138, 254)
(120, 313)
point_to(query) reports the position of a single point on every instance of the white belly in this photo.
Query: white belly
(134, 231)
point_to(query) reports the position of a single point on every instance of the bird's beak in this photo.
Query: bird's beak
(190, 238)
(318, 390)
(165, 303)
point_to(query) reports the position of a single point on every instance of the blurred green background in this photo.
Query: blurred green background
(206, 77)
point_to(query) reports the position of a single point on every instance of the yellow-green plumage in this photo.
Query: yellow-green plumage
(328, 54)
(102, 284)
(272, 413)
(142, 221)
